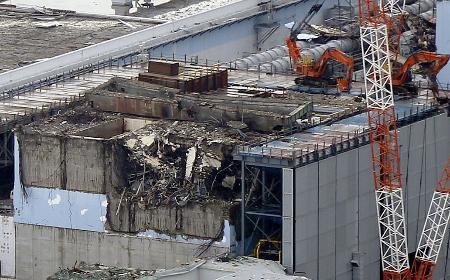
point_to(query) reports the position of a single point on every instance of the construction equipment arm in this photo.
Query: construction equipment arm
(438, 61)
(341, 57)
(291, 41)
(297, 28)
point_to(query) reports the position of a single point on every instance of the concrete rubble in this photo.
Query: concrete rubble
(98, 271)
(163, 157)
(223, 268)
(165, 169)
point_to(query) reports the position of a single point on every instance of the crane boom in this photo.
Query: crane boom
(438, 61)
(373, 21)
(312, 71)
(297, 28)
(434, 229)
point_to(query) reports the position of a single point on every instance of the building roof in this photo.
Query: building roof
(29, 37)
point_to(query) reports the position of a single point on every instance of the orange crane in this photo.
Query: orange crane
(375, 22)
(435, 62)
(432, 62)
(312, 72)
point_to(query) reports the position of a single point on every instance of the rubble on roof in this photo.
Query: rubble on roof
(181, 162)
(173, 177)
(239, 268)
(98, 271)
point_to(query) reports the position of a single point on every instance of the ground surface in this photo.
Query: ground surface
(23, 41)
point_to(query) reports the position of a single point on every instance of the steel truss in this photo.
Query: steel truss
(392, 233)
(260, 206)
(377, 67)
(6, 150)
(384, 138)
(434, 229)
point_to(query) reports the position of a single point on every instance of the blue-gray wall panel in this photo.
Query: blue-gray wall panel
(335, 205)
(443, 36)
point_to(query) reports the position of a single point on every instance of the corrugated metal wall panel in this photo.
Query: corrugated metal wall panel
(335, 205)
(288, 220)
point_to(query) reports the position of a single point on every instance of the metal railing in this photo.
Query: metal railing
(314, 152)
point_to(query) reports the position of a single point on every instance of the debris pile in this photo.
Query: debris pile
(98, 271)
(69, 121)
(177, 162)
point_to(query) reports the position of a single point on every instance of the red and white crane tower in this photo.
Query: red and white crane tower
(380, 24)
(434, 229)
(375, 18)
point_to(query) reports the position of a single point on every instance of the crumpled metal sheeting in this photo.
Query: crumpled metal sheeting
(428, 16)
(420, 7)
(283, 64)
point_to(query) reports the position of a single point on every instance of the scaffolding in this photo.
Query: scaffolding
(261, 206)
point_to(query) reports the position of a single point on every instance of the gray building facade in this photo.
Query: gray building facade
(329, 213)
(321, 203)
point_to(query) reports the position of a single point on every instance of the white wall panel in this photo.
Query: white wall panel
(7, 247)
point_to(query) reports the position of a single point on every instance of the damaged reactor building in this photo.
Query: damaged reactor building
(223, 143)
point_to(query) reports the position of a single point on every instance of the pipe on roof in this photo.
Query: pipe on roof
(252, 61)
(283, 64)
(420, 7)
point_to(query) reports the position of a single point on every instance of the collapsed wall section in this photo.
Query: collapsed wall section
(197, 220)
(109, 173)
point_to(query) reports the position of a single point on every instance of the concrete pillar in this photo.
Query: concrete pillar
(121, 10)
(121, 7)
(287, 245)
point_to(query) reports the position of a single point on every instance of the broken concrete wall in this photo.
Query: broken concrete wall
(98, 166)
(202, 221)
(85, 165)
(147, 100)
(65, 247)
(41, 160)
(105, 130)
(70, 163)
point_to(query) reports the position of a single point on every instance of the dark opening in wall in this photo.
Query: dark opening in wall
(6, 164)
(6, 181)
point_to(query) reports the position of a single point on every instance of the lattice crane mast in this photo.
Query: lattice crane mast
(374, 19)
(434, 229)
